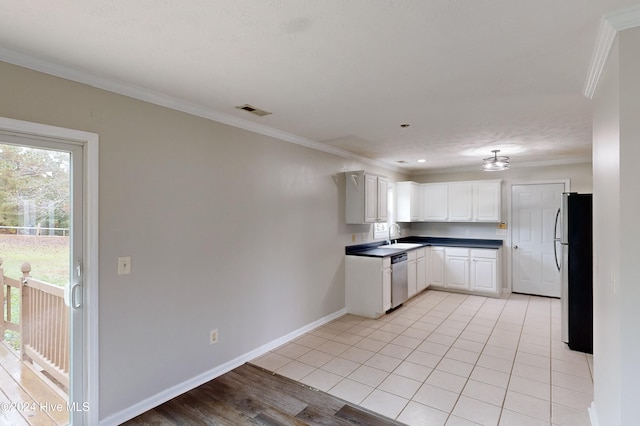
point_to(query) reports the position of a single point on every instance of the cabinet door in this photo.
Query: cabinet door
(412, 277)
(414, 196)
(421, 274)
(460, 202)
(404, 201)
(437, 266)
(458, 272)
(486, 201)
(382, 195)
(483, 275)
(386, 289)
(370, 198)
(434, 202)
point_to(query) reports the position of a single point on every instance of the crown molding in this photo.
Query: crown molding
(478, 168)
(192, 108)
(610, 25)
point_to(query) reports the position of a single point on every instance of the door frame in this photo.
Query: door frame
(567, 188)
(89, 141)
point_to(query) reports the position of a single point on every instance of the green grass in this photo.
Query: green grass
(49, 259)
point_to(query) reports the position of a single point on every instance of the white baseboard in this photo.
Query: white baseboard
(593, 414)
(180, 388)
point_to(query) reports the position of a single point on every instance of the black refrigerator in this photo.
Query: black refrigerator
(576, 267)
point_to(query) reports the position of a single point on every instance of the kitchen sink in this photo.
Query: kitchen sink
(401, 246)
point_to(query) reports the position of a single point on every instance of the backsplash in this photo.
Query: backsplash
(458, 230)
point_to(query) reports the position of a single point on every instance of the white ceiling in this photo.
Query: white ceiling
(468, 76)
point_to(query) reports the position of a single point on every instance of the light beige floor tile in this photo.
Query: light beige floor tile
(326, 332)
(493, 363)
(315, 358)
(441, 338)
(536, 340)
(321, 380)
(383, 362)
(455, 323)
(340, 366)
(459, 421)
(571, 398)
(482, 329)
(528, 405)
(369, 344)
(530, 387)
(436, 397)
(453, 366)
(413, 371)
(357, 354)
(462, 355)
(474, 337)
(580, 369)
(531, 359)
(424, 358)
(578, 384)
(534, 349)
(295, 370)
(502, 353)
(533, 373)
(360, 330)
(567, 416)
(503, 342)
(468, 345)
(310, 341)
(485, 392)
(368, 375)
(339, 325)
(390, 327)
(416, 333)
(347, 338)
(448, 331)
(333, 348)
(271, 361)
(477, 411)
(492, 377)
(384, 403)
(395, 351)
(292, 350)
(399, 385)
(406, 341)
(512, 418)
(383, 336)
(448, 381)
(433, 348)
(352, 391)
(417, 414)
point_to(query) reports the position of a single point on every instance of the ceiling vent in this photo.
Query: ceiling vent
(253, 110)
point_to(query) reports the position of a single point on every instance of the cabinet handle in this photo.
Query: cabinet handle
(515, 247)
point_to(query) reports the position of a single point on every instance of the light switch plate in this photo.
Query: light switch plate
(124, 265)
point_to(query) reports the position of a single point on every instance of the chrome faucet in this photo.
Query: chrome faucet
(398, 231)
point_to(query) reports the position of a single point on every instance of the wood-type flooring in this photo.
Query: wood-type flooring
(249, 395)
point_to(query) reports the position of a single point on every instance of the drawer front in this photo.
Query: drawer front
(455, 251)
(486, 253)
(420, 252)
(412, 255)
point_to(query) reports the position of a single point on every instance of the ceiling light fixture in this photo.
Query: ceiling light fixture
(422, 160)
(495, 163)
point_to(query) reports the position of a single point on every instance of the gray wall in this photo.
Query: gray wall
(227, 229)
(616, 131)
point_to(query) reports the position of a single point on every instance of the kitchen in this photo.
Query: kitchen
(287, 200)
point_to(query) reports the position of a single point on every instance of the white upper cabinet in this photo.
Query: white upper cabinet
(461, 202)
(435, 202)
(486, 201)
(473, 201)
(366, 197)
(407, 202)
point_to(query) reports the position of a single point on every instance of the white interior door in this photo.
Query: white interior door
(533, 215)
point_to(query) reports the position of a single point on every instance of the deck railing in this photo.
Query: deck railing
(43, 322)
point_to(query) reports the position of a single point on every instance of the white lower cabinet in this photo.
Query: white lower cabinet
(421, 269)
(368, 285)
(412, 273)
(457, 267)
(484, 270)
(467, 270)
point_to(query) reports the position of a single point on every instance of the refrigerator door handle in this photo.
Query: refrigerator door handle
(556, 240)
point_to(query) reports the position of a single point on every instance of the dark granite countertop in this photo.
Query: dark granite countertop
(374, 250)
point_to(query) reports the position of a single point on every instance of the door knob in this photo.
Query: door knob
(515, 247)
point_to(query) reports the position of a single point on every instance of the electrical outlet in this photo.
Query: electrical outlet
(353, 238)
(213, 337)
(364, 236)
(124, 265)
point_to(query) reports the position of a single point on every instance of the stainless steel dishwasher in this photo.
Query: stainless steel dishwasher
(399, 280)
